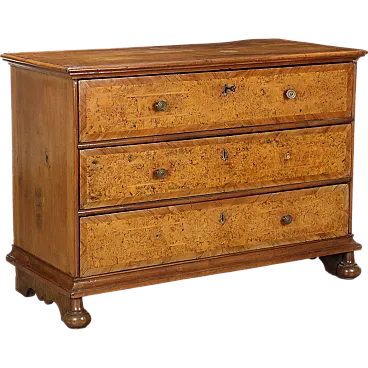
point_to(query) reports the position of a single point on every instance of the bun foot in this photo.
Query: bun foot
(342, 265)
(348, 269)
(76, 316)
(76, 319)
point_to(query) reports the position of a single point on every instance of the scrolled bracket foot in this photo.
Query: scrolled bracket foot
(72, 311)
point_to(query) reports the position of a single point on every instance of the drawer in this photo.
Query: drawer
(146, 172)
(143, 238)
(127, 107)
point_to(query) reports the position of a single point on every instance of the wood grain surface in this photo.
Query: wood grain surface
(183, 58)
(45, 168)
(208, 197)
(125, 107)
(121, 175)
(151, 237)
(214, 133)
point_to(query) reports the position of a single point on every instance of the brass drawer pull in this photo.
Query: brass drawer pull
(161, 106)
(290, 94)
(286, 220)
(160, 173)
(228, 88)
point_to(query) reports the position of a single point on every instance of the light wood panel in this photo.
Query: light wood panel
(214, 133)
(208, 197)
(122, 175)
(178, 233)
(125, 107)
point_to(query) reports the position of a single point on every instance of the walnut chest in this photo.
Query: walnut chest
(144, 165)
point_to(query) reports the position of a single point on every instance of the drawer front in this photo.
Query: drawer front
(169, 234)
(122, 175)
(126, 107)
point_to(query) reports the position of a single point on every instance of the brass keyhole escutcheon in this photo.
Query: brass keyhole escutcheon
(222, 218)
(224, 154)
(228, 89)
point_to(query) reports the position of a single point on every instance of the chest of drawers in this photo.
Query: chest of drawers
(138, 166)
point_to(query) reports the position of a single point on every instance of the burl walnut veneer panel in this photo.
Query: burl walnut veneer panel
(127, 174)
(125, 107)
(177, 233)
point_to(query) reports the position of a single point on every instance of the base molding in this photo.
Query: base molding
(40, 270)
(76, 287)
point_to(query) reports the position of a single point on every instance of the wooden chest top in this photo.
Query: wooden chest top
(182, 58)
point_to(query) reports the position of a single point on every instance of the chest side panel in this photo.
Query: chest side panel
(45, 168)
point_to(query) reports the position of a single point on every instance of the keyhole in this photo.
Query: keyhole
(222, 219)
(224, 155)
(228, 88)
